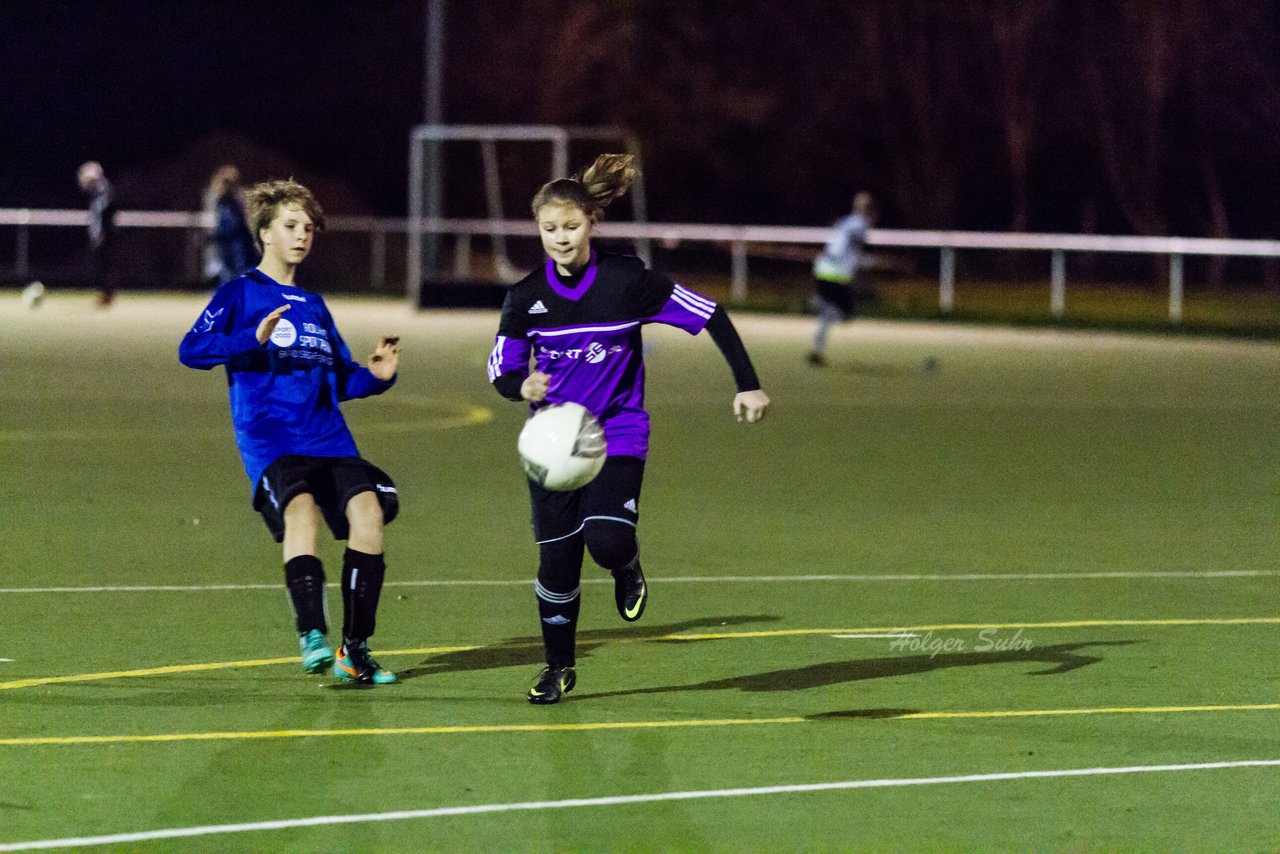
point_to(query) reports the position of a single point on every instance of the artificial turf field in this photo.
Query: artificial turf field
(1075, 535)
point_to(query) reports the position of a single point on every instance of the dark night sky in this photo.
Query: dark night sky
(135, 85)
(1130, 117)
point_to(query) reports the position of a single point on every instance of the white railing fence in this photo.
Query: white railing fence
(737, 239)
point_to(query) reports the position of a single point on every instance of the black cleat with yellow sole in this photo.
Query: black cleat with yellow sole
(630, 593)
(553, 683)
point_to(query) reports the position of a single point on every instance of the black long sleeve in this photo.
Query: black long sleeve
(722, 331)
(508, 385)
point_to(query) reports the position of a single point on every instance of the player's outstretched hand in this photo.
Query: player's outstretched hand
(749, 406)
(535, 386)
(268, 324)
(385, 360)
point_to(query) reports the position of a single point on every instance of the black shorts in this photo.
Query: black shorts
(614, 495)
(331, 481)
(838, 295)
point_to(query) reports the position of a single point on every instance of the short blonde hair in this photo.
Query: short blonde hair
(266, 199)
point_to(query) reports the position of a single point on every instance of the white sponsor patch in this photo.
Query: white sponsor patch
(538, 308)
(285, 334)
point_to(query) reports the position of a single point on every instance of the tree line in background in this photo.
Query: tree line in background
(1109, 116)
(1046, 115)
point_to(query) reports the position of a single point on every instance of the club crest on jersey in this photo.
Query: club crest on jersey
(285, 334)
(210, 317)
(538, 308)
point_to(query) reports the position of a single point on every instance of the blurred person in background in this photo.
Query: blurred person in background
(229, 250)
(102, 226)
(835, 269)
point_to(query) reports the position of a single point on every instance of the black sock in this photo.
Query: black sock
(304, 576)
(361, 586)
(559, 618)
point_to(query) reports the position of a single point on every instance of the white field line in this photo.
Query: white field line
(687, 579)
(620, 800)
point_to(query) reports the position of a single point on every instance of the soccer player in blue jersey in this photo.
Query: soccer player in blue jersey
(579, 319)
(288, 369)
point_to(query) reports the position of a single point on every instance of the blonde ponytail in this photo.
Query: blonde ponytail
(592, 188)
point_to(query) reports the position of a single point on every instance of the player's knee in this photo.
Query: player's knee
(560, 565)
(611, 544)
(364, 513)
(301, 510)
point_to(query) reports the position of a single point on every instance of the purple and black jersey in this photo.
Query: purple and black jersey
(584, 333)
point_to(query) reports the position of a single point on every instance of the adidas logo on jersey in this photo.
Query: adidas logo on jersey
(538, 308)
(630, 505)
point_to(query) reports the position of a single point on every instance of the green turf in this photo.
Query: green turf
(1021, 454)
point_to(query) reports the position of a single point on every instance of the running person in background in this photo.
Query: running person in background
(288, 369)
(579, 318)
(834, 271)
(102, 229)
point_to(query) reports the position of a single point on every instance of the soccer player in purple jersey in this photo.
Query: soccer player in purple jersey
(288, 369)
(579, 319)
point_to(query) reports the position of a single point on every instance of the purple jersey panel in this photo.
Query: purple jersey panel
(599, 366)
(509, 354)
(685, 310)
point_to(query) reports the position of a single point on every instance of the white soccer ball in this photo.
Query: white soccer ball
(562, 447)
(33, 295)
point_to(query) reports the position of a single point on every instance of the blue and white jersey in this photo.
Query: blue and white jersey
(284, 393)
(843, 253)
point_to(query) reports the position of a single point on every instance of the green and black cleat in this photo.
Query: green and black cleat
(316, 655)
(630, 593)
(553, 683)
(355, 664)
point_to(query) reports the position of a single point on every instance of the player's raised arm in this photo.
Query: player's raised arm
(356, 380)
(219, 334)
(269, 324)
(384, 362)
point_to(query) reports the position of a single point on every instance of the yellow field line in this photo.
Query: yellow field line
(262, 662)
(193, 668)
(425, 730)
(1064, 624)
(1115, 710)
(589, 727)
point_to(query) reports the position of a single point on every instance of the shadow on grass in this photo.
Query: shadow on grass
(527, 651)
(872, 714)
(1057, 659)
